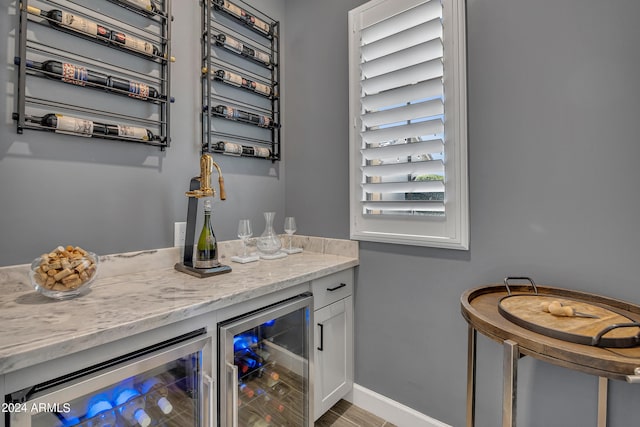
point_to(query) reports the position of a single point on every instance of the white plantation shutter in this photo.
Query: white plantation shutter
(408, 141)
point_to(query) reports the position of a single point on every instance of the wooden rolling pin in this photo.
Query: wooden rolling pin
(557, 309)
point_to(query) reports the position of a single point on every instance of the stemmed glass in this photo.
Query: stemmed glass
(290, 228)
(244, 232)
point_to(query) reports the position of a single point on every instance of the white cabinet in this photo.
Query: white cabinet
(333, 318)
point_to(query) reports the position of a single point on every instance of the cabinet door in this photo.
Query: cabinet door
(333, 354)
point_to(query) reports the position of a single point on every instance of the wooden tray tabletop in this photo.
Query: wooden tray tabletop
(480, 308)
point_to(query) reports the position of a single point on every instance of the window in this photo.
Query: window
(408, 140)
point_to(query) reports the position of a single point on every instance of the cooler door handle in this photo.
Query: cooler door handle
(234, 393)
(210, 384)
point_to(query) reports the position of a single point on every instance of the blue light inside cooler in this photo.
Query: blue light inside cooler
(99, 403)
(244, 340)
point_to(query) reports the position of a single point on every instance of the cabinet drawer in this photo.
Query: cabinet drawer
(332, 288)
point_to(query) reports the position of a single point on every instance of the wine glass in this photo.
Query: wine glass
(244, 232)
(290, 228)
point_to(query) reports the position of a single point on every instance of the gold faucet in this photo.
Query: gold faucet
(206, 168)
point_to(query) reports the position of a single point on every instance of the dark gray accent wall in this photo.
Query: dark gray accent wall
(554, 102)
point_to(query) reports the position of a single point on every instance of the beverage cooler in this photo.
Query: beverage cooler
(265, 363)
(168, 385)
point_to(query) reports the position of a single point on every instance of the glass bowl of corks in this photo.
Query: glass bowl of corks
(66, 272)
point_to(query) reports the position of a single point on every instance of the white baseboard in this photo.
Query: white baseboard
(390, 410)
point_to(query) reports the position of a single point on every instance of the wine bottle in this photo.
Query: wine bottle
(80, 76)
(155, 391)
(275, 403)
(271, 375)
(134, 89)
(228, 77)
(207, 248)
(262, 56)
(234, 45)
(249, 359)
(131, 406)
(259, 24)
(257, 87)
(239, 81)
(70, 125)
(248, 391)
(235, 114)
(63, 19)
(135, 44)
(228, 147)
(76, 126)
(101, 412)
(262, 152)
(66, 72)
(130, 132)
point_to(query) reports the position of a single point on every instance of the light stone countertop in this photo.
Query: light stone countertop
(140, 291)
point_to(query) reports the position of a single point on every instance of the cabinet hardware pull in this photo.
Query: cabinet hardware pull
(321, 348)
(335, 288)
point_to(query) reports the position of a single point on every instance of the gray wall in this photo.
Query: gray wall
(115, 197)
(554, 102)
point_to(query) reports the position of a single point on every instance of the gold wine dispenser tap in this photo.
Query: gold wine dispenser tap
(200, 186)
(206, 169)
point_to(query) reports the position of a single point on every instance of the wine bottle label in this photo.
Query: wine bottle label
(79, 24)
(232, 8)
(74, 74)
(263, 57)
(74, 125)
(234, 44)
(138, 90)
(230, 147)
(133, 132)
(263, 89)
(262, 152)
(134, 43)
(233, 78)
(260, 24)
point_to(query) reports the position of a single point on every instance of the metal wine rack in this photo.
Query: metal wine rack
(240, 81)
(111, 77)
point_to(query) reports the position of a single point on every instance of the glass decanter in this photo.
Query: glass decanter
(269, 242)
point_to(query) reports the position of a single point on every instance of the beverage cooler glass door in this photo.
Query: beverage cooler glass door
(168, 385)
(265, 365)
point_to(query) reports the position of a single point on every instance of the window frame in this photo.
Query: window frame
(452, 231)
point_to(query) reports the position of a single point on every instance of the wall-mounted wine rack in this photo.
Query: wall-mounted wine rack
(240, 81)
(96, 69)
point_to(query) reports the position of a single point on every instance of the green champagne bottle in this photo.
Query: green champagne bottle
(207, 249)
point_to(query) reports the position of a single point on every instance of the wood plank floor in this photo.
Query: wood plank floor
(345, 414)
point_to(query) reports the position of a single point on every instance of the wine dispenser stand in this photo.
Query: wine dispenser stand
(199, 187)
